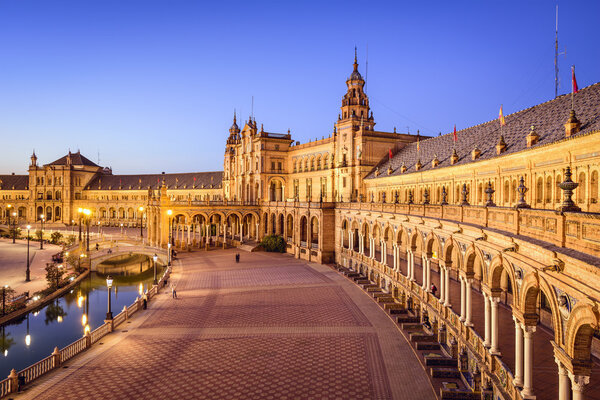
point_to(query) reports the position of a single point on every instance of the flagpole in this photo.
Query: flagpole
(572, 88)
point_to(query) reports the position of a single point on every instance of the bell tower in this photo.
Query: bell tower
(355, 103)
(229, 160)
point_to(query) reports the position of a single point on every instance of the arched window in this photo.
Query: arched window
(557, 190)
(594, 187)
(549, 189)
(57, 195)
(506, 192)
(539, 190)
(581, 188)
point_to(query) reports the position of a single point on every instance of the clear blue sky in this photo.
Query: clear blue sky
(151, 85)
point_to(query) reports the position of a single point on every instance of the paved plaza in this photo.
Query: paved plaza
(13, 264)
(270, 327)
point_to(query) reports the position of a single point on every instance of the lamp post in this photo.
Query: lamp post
(14, 226)
(79, 211)
(121, 229)
(27, 277)
(154, 258)
(169, 245)
(8, 206)
(141, 210)
(87, 213)
(42, 230)
(109, 282)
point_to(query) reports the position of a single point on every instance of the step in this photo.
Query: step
(422, 337)
(352, 275)
(440, 361)
(396, 311)
(427, 346)
(372, 289)
(411, 326)
(385, 300)
(445, 373)
(407, 318)
(393, 307)
(459, 395)
(362, 281)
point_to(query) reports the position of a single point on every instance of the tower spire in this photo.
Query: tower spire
(355, 60)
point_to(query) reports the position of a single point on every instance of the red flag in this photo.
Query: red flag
(390, 153)
(575, 89)
(454, 133)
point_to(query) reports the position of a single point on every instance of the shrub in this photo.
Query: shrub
(55, 237)
(39, 234)
(53, 275)
(273, 243)
(70, 240)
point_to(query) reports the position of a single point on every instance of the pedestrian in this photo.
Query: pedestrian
(237, 257)
(433, 289)
(145, 302)
(97, 247)
(174, 293)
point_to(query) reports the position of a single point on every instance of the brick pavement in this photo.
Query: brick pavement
(270, 327)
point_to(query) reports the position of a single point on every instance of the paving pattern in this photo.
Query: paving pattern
(270, 327)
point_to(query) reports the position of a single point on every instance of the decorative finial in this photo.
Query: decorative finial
(355, 60)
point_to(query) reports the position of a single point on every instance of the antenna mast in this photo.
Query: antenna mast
(367, 68)
(252, 110)
(556, 56)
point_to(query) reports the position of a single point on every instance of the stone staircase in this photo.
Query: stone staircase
(446, 379)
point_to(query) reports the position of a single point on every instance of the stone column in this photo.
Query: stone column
(257, 231)
(494, 316)
(518, 381)
(342, 238)
(564, 383)
(411, 265)
(241, 233)
(361, 245)
(371, 247)
(428, 274)
(463, 302)
(442, 281)
(351, 240)
(424, 270)
(469, 310)
(578, 383)
(527, 391)
(447, 285)
(383, 251)
(395, 249)
(486, 315)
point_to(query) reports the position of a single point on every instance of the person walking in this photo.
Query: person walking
(433, 289)
(237, 257)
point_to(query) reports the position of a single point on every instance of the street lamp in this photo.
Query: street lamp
(109, 282)
(79, 211)
(121, 229)
(155, 257)
(8, 206)
(14, 226)
(87, 214)
(169, 213)
(27, 277)
(42, 230)
(141, 210)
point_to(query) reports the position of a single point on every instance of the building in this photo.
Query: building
(486, 217)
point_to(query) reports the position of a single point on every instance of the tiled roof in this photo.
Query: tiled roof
(548, 119)
(205, 180)
(76, 159)
(14, 182)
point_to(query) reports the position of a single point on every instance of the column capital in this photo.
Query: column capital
(578, 382)
(494, 300)
(528, 330)
(561, 367)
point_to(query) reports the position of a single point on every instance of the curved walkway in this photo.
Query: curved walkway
(268, 327)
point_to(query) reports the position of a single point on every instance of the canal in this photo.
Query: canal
(33, 337)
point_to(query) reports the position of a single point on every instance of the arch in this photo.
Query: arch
(290, 226)
(530, 289)
(432, 244)
(451, 255)
(303, 229)
(582, 323)
(498, 266)
(314, 231)
(473, 262)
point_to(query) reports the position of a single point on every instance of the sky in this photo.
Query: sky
(151, 86)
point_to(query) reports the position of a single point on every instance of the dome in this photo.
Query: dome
(355, 75)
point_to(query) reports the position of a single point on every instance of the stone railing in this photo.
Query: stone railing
(574, 230)
(16, 380)
(500, 375)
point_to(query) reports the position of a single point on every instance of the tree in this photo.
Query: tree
(39, 234)
(53, 275)
(70, 240)
(273, 243)
(55, 237)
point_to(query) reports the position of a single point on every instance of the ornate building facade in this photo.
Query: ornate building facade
(502, 219)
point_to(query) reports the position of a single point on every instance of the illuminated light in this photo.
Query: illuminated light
(80, 301)
(141, 289)
(5, 353)
(27, 340)
(86, 330)
(28, 227)
(84, 319)
(72, 279)
(169, 212)
(79, 210)
(59, 319)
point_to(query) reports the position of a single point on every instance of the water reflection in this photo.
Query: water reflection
(33, 337)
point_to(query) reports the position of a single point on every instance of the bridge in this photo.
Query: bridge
(97, 257)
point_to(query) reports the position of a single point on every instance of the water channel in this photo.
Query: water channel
(33, 337)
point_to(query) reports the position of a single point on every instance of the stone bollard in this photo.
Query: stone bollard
(111, 325)
(56, 357)
(14, 381)
(126, 313)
